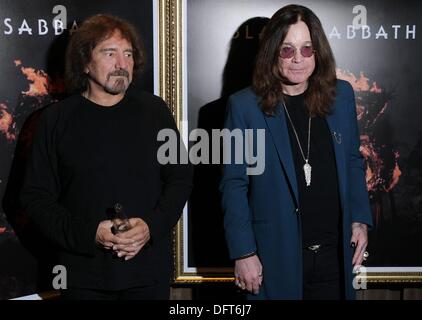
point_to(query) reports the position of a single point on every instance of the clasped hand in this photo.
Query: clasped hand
(125, 244)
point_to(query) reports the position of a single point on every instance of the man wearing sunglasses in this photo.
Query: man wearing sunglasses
(297, 230)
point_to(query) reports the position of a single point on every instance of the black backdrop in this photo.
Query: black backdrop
(382, 63)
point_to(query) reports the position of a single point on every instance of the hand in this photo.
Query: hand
(360, 238)
(105, 238)
(138, 233)
(248, 273)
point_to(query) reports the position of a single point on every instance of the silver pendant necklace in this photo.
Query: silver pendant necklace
(307, 169)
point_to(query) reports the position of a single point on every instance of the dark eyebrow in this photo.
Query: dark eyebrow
(108, 49)
(114, 50)
(291, 44)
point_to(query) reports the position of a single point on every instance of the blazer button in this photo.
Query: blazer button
(297, 211)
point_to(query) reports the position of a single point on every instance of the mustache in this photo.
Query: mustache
(118, 73)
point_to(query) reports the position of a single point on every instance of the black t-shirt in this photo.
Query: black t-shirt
(319, 203)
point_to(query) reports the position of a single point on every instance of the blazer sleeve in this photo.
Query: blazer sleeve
(40, 193)
(234, 188)
(176, 181)
(359, 200)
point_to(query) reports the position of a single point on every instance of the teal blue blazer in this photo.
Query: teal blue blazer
(261, 212)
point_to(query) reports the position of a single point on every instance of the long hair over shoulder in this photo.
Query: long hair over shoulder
(267, 79)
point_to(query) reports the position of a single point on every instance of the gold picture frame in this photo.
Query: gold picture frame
(171, 44)
(170, 26)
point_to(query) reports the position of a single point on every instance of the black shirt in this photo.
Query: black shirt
(85, 158)
(319, 203)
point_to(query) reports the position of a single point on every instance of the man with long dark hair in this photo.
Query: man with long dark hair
(94, 158)
(297, 230)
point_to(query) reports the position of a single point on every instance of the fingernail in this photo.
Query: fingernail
(353, 244)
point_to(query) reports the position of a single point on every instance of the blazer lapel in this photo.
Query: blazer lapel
(279, 133)
(338, 143)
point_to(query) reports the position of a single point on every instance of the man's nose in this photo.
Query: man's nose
(121, 62)
(297, 56)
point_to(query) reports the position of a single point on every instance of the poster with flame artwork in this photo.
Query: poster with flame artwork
(32, 51)
(377, 45)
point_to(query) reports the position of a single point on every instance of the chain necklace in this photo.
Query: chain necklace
(307, 169)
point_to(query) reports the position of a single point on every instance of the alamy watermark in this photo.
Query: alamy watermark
(241, 147)
(60, 281)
